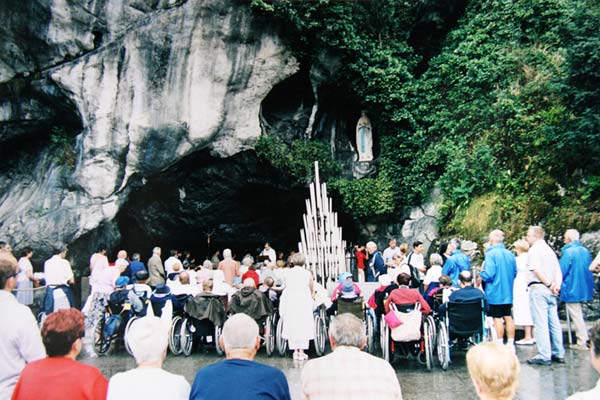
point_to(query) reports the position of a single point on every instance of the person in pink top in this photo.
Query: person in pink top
(230, 268)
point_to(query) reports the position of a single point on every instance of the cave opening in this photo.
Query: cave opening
(239, 202)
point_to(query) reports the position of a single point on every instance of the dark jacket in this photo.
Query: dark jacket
(251, 302)
(206, 306)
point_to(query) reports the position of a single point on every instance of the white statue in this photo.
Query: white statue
(364, 138)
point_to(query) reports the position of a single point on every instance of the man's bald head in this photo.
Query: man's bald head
(8, 270)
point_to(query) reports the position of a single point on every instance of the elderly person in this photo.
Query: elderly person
(239, 376)
(205, 272)
(406, 295)
(121, 263)
(432, 277)
(25, 278)
(59, 275)
(375, 263)
(521, 310)
(20, 340)
(156, 269)
(578, 283)
(456, 262)
(230, 268)
(494, 371)
(349, 373)
(594, 393)
(295, 307)
(148, 340)
(59, 376)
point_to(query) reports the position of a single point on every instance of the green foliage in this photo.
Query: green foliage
(508, 110)
(298, 159)
(62, 147)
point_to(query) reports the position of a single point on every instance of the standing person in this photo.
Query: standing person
(104, 284)
(391, 251)
(59, 275)
(456, 262)
(171, 261)
(361, 257)
(499, 275)
(25, 278)
(155, 269)
(59, 376)
(20, 340)
(416, 260)
(270, 252)
(544, 282)
(122, 264)
(230, 268)
(521, 309)
(494, 371)
(577, 284)
(375, 265)
(239, 376)
(593, 394)
(443, 251)
(349, 373)
(295, 307)
(135, 266)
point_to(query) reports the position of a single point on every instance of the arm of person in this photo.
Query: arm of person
(30, 344)
(135, 301)
(595, 265)
(425, 308)
(489, 273)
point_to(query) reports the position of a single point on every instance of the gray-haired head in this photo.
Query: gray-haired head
(239, 332)
(454, 242)
(227, 253)
(156, 251)
(298, 259)
(148, 337)
(136, 256)
(347, 330)
(465, 277)
(496, 236)
(572, 235)
(248, 260)
(207, 264)
(436, 259)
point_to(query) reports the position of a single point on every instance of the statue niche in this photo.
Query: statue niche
(364, 138)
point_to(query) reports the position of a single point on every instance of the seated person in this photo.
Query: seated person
(379, 295)
(352, 289)
(267, 288)
(206, 305)
(239, 376)
(148, 339)
(220, 285)
(173, 276)
(432, 277)
(159, 298)
(141, 287)
(250, 301)
(251, 273)
(406, 295)
(184, 286)
(494, 371)
(205, 272)
(466, 293)
(59, 376)
(118, 300)
(441, 294)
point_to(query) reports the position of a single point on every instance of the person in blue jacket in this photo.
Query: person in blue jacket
(578, 283)
(457, 262)
(500, 270)
(375, 265)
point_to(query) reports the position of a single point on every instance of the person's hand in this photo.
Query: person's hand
(479, 280)
(555, 289)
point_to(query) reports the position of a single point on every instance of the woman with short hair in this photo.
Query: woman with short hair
(59, 376)
(25, 278)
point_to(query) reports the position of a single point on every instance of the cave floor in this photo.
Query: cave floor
(536, 382)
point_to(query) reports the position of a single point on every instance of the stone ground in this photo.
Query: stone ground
(548, 383)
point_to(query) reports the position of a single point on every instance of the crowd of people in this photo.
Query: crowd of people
(521, 290)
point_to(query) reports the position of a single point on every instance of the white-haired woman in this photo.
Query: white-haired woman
(296, 309)
(521, 310)
(148, 339)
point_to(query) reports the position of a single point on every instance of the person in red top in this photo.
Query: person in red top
(405, 295)
(361, 256)
(251, 273)
(59, 376)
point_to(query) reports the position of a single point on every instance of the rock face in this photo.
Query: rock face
(137, 86)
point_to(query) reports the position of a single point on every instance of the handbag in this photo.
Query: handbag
(392, 320)
(410, 328)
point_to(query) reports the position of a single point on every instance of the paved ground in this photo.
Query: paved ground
(548, 383)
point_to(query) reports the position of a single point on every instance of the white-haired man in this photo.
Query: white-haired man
(148, 340)
(349, 373)
(156, 269)
(239, 377)
(230, 268)
(376, 264)
(578, 283)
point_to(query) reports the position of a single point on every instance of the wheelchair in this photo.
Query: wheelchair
(257, 305)
(320, 335)
(203, 323)
(462, 325)
(360, 309)
(420, 343)
(157, 304)
(114, 324)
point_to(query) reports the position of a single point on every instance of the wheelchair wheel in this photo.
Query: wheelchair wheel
(443, 346)
(490, 334)
(370, 332)
(101, 344)
(218, 348)
(127, 327)
(385, 341)
(281, 341)
(320, 334)
(428, 345)
(175, 335)
(270, 335)
(186, 337)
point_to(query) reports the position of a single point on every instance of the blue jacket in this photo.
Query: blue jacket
(499, 274)
(455, 264)
(379, 268)
(578, 281)
(465, 295)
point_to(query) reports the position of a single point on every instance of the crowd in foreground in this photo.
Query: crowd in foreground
(62, 334)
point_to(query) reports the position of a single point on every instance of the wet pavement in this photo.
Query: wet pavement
(554, 382)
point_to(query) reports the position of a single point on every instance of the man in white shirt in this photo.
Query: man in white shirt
(270, 252)
(57, 270)
(390, 252)
(172, 260)
(416, 260)
(20, 339)
(183, 285)
(544, 282)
